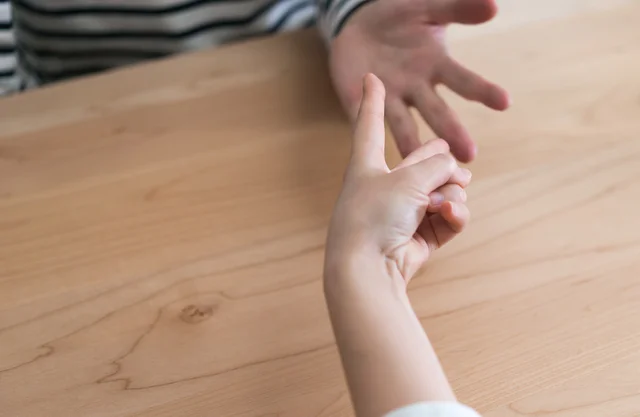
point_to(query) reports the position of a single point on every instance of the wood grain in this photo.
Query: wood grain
(162, 228)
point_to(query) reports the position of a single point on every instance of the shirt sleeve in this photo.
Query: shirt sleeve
(434, 409)
(9, 77)
(333, 14)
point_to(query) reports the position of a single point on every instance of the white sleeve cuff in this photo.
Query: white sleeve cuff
(434, 409)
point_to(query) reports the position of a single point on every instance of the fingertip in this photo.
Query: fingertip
(502, 100)
(373, 97)
(462, 145)
(508, 100)
(473, 152)
(465, 153)
(466, 176)
(475, 11)
(370, 77)
(486, 10)
(369, 132)
(441, 144)
(456, 214)
(492, 8)
(372, 84)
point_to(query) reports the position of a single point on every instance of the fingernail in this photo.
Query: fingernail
(463, 195)
(436, 199)
(467, 174)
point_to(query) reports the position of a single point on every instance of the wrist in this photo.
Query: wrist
(346, 271)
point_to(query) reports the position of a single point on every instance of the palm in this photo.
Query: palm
(402, 41)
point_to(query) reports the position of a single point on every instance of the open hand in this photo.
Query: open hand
(403, 43)
(399, 215)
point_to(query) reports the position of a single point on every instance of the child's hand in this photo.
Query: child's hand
(394, 218)
(403, 42)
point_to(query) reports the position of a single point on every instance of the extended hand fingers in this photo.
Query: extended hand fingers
(403, 126)
(471, 86)
(461, 11)
(369, 135)
(444, 122)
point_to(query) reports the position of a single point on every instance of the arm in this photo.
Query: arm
(388, 359)
(384, 227)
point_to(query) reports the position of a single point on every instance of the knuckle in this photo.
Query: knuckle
(445, 161)
(440, 145)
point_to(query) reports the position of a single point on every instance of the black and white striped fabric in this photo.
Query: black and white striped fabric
(9, 80)
(43, 41)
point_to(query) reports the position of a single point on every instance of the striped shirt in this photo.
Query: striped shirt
(43, 41)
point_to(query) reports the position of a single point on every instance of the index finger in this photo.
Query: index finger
(369, 134)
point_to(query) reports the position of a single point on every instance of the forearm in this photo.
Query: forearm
(388, 359)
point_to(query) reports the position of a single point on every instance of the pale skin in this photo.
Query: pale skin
(385, 225)
(403, 43)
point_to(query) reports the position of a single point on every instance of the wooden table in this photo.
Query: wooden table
(161, 231)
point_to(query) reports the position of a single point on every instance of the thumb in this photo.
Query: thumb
(462, 11)
(417, 252)
(367, 154)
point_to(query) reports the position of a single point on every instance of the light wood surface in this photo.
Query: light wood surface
(161, 231)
